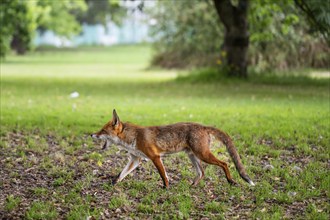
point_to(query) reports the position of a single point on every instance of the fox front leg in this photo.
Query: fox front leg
(131, 165)
(161, 169)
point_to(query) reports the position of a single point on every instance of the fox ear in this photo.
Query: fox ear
(115, 118)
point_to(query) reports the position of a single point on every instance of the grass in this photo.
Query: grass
(46, 154)
(11, 203)
(41, 210)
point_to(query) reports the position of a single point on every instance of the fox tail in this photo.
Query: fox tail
(224, 138)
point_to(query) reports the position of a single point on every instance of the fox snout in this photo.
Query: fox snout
(99, 135)
(95, 136)
(107, 142)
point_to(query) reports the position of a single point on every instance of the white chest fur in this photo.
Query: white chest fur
(130, 148)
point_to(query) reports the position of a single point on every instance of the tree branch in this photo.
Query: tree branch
(309, 12)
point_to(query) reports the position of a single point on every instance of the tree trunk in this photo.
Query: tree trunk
(18, 45)
(236, 40)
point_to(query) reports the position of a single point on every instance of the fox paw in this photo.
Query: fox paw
(166, 186)
(114, 179)
(232, 182)
(195, 183)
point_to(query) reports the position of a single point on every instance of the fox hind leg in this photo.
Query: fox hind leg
(199, 169)
(209, 158)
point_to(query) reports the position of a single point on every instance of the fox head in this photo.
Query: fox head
(110, 130)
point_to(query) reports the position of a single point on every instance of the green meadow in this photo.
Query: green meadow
(52, 169)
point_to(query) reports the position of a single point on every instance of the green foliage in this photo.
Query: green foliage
(20, 19)
(60, 16)
(189, 34)
(101, 11)
(270, 20)
(17, 25)
(318, 14)
(280, 38)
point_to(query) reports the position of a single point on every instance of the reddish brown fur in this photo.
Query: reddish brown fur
(154, 141)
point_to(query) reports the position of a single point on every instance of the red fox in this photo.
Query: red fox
(155, 141)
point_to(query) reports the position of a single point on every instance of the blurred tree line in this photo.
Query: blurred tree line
(229, 34)
(277, 33)
(20, 19)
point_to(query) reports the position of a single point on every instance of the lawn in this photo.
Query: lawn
(51, 169)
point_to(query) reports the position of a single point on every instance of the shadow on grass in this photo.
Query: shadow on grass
(293, 78)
